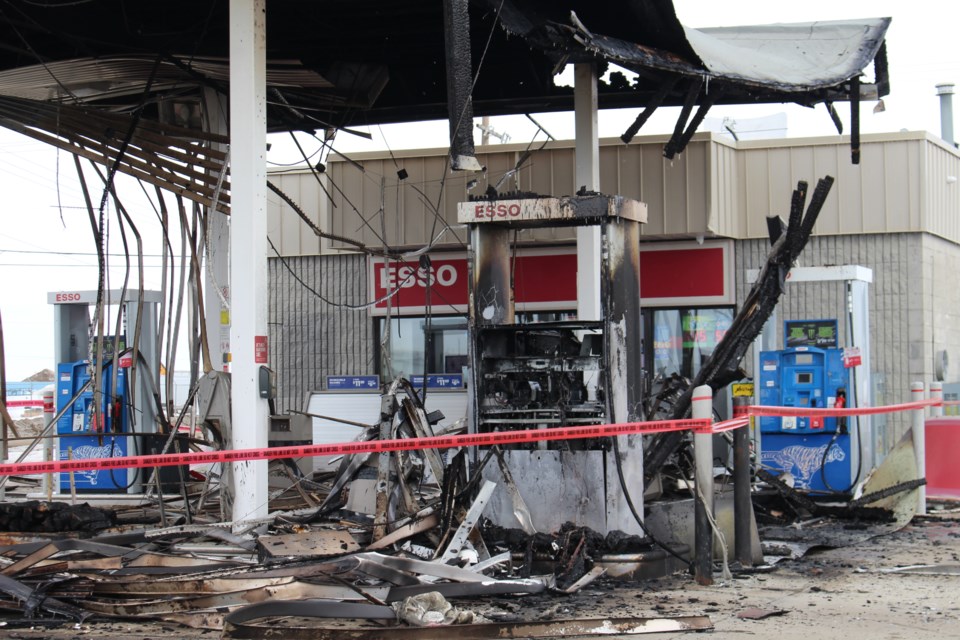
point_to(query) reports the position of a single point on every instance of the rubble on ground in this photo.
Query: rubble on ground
(394, 538)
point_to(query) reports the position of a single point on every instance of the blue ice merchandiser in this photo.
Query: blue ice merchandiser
(814, 450)
(90, 429)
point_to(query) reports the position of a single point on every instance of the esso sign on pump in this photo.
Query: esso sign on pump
(493, 210)
(66, 296)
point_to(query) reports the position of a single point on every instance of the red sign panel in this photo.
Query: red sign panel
(682, 273)
(448, 278)
(549, 281)
(260, 349)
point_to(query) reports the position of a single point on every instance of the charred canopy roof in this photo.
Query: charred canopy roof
(350, 62)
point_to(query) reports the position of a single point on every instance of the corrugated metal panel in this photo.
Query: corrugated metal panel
(313, 331)
(714, 188)
(549, 171)
(285, 229)
(942, 191)
(880, 195)
(723, 196)
(940, 290)
(678, 192)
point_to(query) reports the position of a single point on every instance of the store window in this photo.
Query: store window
(684, 338)
(448, 347)
(405, 347)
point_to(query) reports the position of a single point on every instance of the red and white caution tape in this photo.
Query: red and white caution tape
(372, 446)
(729, 425)
(802, 412)
(443, 442)
(24, 403)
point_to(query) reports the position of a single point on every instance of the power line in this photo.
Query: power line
(71, 264)
(78, 253)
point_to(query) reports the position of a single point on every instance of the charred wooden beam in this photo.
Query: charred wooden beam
(855, 120)
(456, 35)
(652, 105)
(723, 367)
(670, 149)
(678, 144)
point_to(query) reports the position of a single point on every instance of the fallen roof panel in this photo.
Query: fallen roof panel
(801, 56)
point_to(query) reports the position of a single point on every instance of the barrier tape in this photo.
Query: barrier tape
(343, 448)
(24, 403)
(442, 442)
(729, 425)
(803, 412)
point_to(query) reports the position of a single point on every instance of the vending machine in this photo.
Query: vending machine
(816, 452)
(94, 427)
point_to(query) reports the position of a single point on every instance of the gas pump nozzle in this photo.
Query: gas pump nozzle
(840, 403)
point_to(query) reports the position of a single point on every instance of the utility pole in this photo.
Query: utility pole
(488, 131)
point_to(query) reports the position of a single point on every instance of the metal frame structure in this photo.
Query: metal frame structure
(539, 375)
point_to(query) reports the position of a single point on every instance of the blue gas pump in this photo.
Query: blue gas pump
(815, 451)
(91, 428)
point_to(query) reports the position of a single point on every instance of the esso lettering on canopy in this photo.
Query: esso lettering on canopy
(493, 210)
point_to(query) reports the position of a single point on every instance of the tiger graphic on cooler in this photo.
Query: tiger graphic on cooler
(87, 451)
(802, 462)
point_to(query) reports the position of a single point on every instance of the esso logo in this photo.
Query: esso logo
(67, 297)
(491, 210)
(407, 277)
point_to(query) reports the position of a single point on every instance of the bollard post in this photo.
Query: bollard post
(919, 444)
(702, 408)
(49, 411)
(936, 393)
(741, 497)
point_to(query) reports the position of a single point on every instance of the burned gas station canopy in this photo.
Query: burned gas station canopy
(346, 63)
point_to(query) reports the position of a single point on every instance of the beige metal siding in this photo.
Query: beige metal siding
(880, 195)
(714, 188)
(942, 189)
(286, 230)
(681, 193)
(723, 194)
(549, 171)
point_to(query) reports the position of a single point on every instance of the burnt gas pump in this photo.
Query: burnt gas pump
(814, 451)
(555, 374)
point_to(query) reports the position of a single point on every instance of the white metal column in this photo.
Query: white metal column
(248, 250)
(859, 317)
(588, 175)
(217, 272)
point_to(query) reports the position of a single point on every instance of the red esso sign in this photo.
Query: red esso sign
(405, 277)
(67, 297)
(493, 210)
(448, 278)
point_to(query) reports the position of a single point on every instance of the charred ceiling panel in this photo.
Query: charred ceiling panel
(338, 63)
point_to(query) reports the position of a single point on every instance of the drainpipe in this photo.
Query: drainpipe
(945, 91)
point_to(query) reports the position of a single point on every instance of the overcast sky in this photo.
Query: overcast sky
(46, 242)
